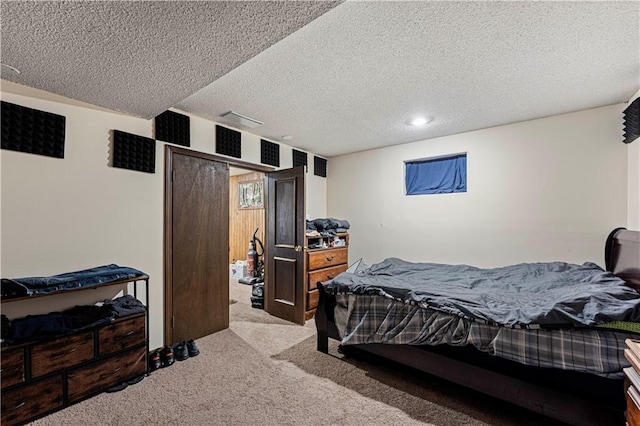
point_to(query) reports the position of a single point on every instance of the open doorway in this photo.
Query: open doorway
(197, 249)
(246, 228)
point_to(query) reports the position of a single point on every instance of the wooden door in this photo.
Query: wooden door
(199, 204)
(284, 274)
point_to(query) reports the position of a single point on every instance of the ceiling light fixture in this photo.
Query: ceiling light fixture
(243, 120)
(420, 121)
(287, 137)
(9, 70)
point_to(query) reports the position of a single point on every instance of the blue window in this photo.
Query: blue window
(436, 176)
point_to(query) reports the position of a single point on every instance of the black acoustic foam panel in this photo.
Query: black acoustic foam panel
(228, 142)
(134, 152)
(319, 166)
(631, 117)
(269, 153)
(173, 128)
(299, 158)
(33, 131)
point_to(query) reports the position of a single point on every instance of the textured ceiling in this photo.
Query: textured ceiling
(140, 57)
(351, 79)
(348, 79)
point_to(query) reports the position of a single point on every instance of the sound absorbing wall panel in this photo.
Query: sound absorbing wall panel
(134, 152)
(299, 159)
(269, 153)
(228, 142)
(319, 166)
(631, 121)
(173, 128)
(32, 131)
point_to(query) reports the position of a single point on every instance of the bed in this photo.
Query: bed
(511, 355)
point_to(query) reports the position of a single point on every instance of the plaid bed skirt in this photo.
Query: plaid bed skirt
(363, 319)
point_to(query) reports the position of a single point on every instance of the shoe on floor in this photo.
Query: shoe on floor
(154, 360)
(135, 380)
(166, 356)
(192, 348)
(180, 351)
(117, 388)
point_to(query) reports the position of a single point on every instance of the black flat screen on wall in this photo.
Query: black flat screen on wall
(32, 131)
(134, 152)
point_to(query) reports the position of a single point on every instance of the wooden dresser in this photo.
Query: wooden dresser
(39, 377)
(323, 262)
(43, 376)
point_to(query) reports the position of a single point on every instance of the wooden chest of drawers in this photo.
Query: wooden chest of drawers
(41, 377)
(101, 375)
(61, 353)
(12, 367)
(322, 264)
(37, 397)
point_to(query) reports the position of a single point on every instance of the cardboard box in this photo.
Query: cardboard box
(237, 271)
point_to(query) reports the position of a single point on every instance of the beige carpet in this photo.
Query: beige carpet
(266, 371)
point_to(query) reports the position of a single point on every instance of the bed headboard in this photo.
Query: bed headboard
(622, 255)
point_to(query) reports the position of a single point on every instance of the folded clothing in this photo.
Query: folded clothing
(77, 318)
(326, 224)
(10, 288)
(51, 324)
(17, 287)
(125, 305)
(84, 316)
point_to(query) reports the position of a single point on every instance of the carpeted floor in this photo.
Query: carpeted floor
(266, 371)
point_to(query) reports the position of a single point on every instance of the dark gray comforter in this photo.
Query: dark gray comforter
(546, 294)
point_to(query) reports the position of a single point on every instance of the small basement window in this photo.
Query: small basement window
(442, 175)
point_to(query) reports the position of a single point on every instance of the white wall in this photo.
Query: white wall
(61, 215)
(633, 214)
(542, 190)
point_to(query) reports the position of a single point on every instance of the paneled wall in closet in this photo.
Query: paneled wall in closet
(243, 221)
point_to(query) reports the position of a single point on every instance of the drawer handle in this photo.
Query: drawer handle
(330, 276)
(17, 406)
(329, 258)
(72, 350)
(129, 333)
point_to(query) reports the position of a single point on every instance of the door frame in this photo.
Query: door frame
(169, 151)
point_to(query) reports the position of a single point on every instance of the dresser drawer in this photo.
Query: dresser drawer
(121, 335)
(12, 367)
(85, 381)
(325, 274)
(312, 299)
(325, 258)
(61, 353)
(31, 400)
